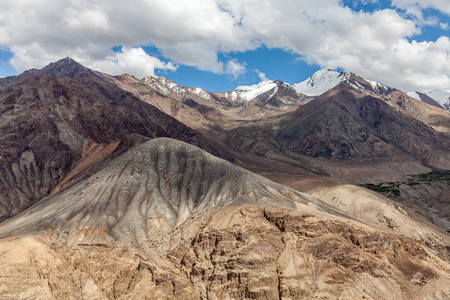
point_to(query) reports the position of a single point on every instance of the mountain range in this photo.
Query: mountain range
(115, 187)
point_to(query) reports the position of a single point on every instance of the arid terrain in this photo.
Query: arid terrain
(114, 187)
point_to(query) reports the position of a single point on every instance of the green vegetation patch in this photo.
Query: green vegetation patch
(390, 189)
(434, 175)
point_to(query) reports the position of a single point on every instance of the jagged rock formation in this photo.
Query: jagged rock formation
(167, 220)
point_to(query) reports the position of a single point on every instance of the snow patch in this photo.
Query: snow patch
(275, 90)
(357, 86)
(441, 97)
(376, 86)
(164, 85)
(132, 78)
(320, 82)
(413, 95)
(233, 95)
(250, 92)
(201, 92)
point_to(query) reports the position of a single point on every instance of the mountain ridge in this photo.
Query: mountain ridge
(64, 67)
(318, 83)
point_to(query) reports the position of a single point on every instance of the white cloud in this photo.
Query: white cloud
(421, 66)
(415, 10)
(130, 60)
(188, 32)
(234, 68)
(84, 20)
(415, 5)
(193, 32)
(374, 45)
(262, 76)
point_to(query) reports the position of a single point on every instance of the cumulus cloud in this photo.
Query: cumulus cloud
(378, 45)
(130, 60)
(414, 5)
(234, 68)
(187, 32)
(262, 76)
(373, 44)
(444, 26)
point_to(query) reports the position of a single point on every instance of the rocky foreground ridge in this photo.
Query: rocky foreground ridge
(166, 220)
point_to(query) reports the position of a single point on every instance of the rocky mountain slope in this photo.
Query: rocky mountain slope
(345, 125)
(324, 80)
(258, 120)
(180, 223)
(211, 113)
(356, 120)
(45, 122)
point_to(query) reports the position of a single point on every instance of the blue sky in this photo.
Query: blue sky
(275, 63)
(5, 67)
(221, 44)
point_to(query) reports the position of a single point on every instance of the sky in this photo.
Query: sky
(221, 44)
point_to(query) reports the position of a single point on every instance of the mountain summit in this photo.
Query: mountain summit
(326, 79)
(321, 81)
(64, 67)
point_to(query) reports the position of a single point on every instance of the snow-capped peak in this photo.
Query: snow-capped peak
(441, 97)
(320, 82)
(326, 79)
(250, 92)
(164, 85)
